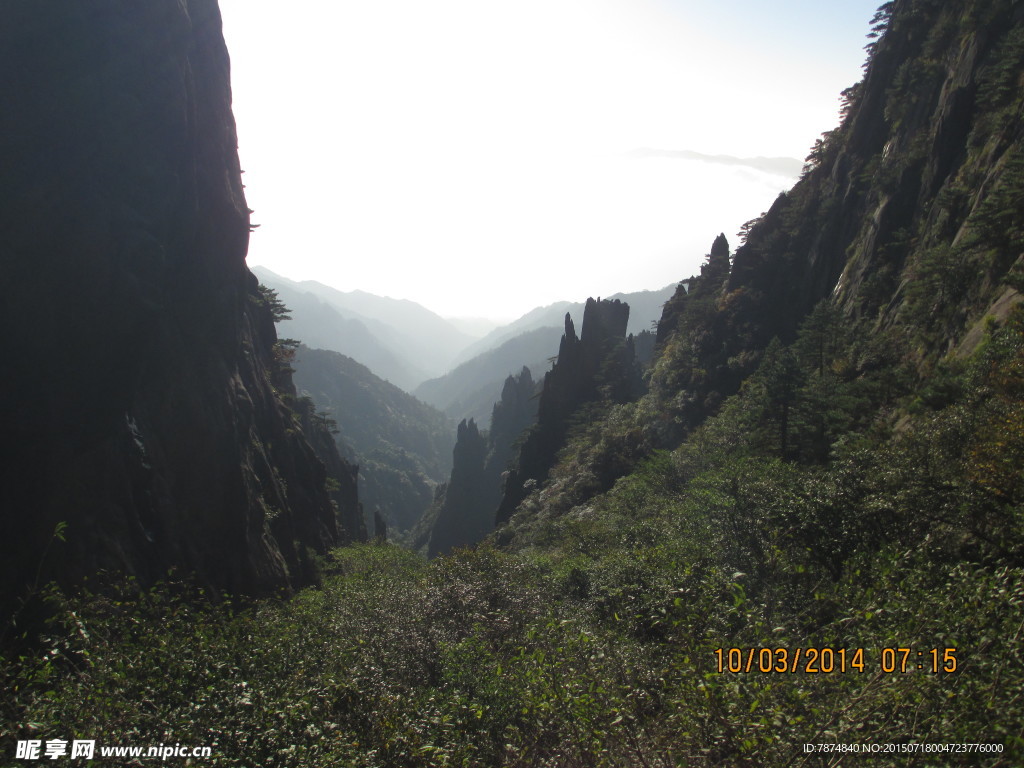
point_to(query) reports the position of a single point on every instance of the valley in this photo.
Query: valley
(769, 515)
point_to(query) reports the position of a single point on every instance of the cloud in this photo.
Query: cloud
(789, 167)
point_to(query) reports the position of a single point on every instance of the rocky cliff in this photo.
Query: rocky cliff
(137, 400)
(464, 511)
(908, 216)
(909, 213)
(905, 231)
(599, 365)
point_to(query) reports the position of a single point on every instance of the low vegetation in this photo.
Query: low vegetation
(596, 642)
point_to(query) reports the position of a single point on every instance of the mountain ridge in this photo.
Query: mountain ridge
(401, 445)
(320, 325)
(645, 310)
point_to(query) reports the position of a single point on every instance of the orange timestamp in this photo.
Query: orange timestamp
(829, 660)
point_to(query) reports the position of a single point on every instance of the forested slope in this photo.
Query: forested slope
(402, 446)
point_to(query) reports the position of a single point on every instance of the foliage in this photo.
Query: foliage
(401, 445)
(595, 646)
(269, 299)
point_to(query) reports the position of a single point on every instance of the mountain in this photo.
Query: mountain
(319, 325)
(401, 445)
(906, 223)
(412, 342)
(464, 509)
(471, 390)
(804, 534)
(144, 425)
(427, 339)
(644, 313)
(492, 470)
(599, 366)
(475, 327)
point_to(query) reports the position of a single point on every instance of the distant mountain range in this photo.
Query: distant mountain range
(399, 340)
(471, 389)
(425, 354)
(644, 310)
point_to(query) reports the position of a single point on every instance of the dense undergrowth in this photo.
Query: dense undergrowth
(594, 643)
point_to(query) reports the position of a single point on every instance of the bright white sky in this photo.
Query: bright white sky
(470, 155)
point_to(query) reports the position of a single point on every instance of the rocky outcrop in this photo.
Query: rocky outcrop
(137, 401)
(462, 519)
(907, 216)
(466, 507)
(510, 417)
(597, 365)
(713, 272)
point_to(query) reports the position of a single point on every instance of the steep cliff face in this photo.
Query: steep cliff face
(599, 364)
(903, 236)
(137, 404)
(894, 219)
(465, 507)
(908, 217)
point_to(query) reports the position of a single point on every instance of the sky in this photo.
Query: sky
(483, 158)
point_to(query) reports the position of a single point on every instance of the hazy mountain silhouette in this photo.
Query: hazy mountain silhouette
(475, 327)
(399, 340)
(645, 310)
(318, 325)
(403, 446)
(471, 390)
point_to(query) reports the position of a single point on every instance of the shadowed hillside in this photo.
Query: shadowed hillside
(401, 445)
(146, 417)
(471, 390)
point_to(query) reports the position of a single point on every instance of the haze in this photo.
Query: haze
(484, 158)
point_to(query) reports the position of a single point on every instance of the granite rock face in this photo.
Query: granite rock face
(599, 364)
(136, 401)
(468, 502)
(899, 199)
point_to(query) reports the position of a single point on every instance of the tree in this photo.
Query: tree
(278, 310)
(778, 382)
(821, 336)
